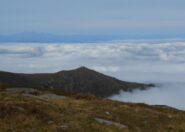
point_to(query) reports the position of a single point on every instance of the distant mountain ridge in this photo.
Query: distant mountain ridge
(80, 80)
(36, 37)
(28, 37)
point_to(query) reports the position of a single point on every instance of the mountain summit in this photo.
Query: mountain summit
(80, 80)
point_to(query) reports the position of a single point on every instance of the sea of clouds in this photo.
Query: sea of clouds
(162, 63)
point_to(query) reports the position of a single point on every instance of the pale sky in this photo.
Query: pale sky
(67, 17)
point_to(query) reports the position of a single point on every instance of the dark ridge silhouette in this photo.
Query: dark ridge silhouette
(80, 80)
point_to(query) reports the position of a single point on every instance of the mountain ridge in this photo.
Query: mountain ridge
(80, 80)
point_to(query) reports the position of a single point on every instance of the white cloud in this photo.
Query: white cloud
(172, 52)
(171, 94)
(155, 62)
(126, 60)
(107, 68)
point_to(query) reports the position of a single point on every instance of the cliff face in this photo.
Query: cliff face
(81, 80)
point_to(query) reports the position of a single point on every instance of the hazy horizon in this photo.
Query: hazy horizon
(33, 37)
(85, 17)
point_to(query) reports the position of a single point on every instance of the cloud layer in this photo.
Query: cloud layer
(161, 63)
(107, 57)
(171, 94)
(166, 52)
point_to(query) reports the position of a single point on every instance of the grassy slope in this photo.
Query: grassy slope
(78, 113)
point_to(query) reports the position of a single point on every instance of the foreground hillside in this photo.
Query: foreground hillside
(80, 80)
(47, 112)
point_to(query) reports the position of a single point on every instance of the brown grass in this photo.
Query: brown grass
(78, 113)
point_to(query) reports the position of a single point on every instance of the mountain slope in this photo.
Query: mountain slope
(20, 113)
(81, 80)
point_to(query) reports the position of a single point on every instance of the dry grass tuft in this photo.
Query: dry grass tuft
(78, 114)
